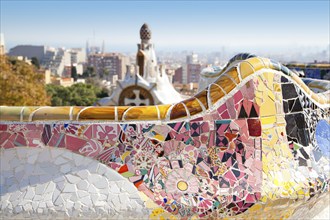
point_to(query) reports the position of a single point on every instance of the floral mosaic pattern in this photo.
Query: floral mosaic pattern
(265, 143)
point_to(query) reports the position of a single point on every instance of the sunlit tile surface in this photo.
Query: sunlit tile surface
(258, 149)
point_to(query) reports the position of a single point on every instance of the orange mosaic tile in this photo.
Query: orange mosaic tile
(202, 97)
(225, 83)
(138, 113)
(215, 93)
(97, 113)
(193, 106)
(178, 111)
(234, 75)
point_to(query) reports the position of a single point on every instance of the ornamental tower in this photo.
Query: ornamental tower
(146, 56)
(145, 83)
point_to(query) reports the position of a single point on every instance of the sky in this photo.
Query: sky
(175, 24)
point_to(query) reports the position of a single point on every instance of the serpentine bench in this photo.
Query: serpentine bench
(253, 144)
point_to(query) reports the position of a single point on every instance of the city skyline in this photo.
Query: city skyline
(195, 25)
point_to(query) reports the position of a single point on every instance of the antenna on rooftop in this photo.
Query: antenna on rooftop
(103, 47)
(87, 48)
(93, 38)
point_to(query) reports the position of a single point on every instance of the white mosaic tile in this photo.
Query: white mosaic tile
(72, 179)
(61, 184)
(101, 184)
(83, 185)
(69, 188)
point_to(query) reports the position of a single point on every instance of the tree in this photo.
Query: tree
(20, 85)
(103, 92)
(106, 73)
(60, 95)
(35, 62)
(82, 94)
(89, 72)
(76, 95)
(74, 74)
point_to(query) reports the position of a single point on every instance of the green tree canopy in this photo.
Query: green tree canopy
(89, 72)
(74, 74)
(35, 62)
(76, 95)
(20, 84)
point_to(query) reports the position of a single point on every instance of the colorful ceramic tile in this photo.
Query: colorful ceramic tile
(258, 152)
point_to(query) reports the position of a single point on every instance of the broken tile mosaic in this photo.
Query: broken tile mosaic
(238, 155)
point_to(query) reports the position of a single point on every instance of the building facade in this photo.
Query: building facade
(28, 51)
(107, 65)
(193, 72)
(191, 69)
(58, 59)
(177, 78)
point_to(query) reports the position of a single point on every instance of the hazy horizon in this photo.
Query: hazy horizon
(252, 26)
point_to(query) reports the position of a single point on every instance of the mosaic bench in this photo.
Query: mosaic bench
(253, 144)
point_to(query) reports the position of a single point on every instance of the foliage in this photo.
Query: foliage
(20, 85)
(74, 74)
(35, 62)
(76, 95)
(89, 72)
(96, 82)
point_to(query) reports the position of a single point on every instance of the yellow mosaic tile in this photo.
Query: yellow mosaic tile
(202, 97)
(178, 111)
(256, 63)
(10, 114)
(266, 62)
(277, 87)
(296, 78)
(120, 111)
(317, 98)
(193, 106)
(225, 83)
(245, 69)
(215, 93)
(234, 75)
(27, 111)
(268, 107)
(97, 113)
(50, 113)
(305, 88)
(160, 214)
(141, 113)
(271, 120)
(163, 111)
(75, 111)
(324, 99)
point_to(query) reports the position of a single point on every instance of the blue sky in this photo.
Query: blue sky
(175, 24)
